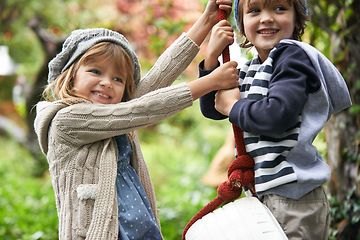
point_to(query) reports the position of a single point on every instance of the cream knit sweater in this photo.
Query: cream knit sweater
(79, 144)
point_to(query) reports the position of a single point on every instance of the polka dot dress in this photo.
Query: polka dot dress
(136, 219)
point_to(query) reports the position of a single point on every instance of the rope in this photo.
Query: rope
(240, 171)
(226, 52)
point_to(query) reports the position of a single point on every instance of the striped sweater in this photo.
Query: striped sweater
(285, 102)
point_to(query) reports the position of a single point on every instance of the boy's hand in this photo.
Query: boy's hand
(222, 35)
(225, 100)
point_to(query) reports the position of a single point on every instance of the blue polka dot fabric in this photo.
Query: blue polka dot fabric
(136, 219)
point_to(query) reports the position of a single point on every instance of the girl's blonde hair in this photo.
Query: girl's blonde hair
(301, 17)
(63, 87)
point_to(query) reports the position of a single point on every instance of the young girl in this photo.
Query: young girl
(101, 182)
(287, 93)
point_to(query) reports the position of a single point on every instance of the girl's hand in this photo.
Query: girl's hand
(225, 77)
(225, 100)
(208, 19)
(213, 7)
(222, 35)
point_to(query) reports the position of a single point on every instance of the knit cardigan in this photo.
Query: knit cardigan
(78, 141)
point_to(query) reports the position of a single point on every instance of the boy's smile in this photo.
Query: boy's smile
(267, 32)
(266, 24)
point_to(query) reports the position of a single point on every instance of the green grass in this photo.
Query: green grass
(27, 205)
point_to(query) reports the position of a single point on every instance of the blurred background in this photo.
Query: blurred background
(178, 150)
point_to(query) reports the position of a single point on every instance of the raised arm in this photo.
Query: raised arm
(208, 19)
(179, 55)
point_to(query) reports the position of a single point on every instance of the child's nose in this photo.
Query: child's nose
(266, 17)
(105, 82)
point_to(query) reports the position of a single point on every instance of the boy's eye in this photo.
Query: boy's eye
(254, 11)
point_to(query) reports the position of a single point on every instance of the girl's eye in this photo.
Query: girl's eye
(280, 9)
(119, 80)
(95, 71)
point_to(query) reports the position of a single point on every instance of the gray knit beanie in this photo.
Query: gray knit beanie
(82, 40)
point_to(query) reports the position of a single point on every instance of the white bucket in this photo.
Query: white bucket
(245, 218)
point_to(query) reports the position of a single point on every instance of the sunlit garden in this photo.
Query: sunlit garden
(178, 150)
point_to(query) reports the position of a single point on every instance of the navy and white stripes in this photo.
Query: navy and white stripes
(269, 152)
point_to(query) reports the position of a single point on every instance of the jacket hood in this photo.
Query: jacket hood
(45, 112)
(331, 79)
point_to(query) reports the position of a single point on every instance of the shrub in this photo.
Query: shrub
(27, 204)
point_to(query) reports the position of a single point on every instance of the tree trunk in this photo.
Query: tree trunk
(340, 134)
(341, 21)
(342, 131)
(51, 45)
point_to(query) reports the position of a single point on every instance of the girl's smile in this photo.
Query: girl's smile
(101, 94)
